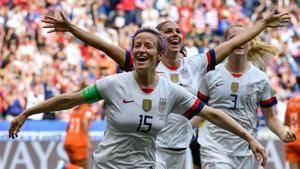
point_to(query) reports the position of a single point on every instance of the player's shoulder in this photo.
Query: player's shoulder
(118, 77)
(123, 75)
(168, 85)
(193, 58)
(219, 70)
(255, 71)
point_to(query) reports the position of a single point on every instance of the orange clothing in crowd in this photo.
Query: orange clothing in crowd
(292, 119)
(76, 140)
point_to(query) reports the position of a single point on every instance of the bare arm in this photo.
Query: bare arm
(224, 121)
(61, 102)
(64, 25)
(273, 20)
(272, 121)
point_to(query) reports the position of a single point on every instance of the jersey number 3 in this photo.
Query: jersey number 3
(144, 121)
(234, 99)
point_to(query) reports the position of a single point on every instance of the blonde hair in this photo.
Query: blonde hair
(259, 51)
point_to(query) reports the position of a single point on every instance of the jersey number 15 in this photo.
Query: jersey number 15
(144, 121)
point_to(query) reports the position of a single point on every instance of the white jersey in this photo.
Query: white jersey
(177, 132)
(134, 118)
(239, 98)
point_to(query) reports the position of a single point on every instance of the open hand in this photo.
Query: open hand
(258, 151)
(57, 24)
(277, 19)
(15, 126)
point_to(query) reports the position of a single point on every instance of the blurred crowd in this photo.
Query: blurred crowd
(36, 65)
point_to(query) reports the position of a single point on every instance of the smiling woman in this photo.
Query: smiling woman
(147, 49)
(137, 104)
(238, 88)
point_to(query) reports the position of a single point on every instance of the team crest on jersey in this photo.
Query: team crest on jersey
(147, 104)
(174, 78)
(162, 104)
(234, 86)
(184, 73)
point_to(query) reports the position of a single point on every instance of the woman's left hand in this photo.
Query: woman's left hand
(274, 19)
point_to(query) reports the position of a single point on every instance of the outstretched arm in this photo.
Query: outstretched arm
(61, 102)
(273, 20)
(64, 25)
(224, 121)
(272, 121)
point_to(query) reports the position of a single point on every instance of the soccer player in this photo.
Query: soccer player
(77, 140)
(185, 71)
(292, 119)
(137, 104)
(236, 87)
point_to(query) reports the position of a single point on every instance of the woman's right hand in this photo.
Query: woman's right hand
(16, 125)
(57, 24)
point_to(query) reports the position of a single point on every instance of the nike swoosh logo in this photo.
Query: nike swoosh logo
(127, 101)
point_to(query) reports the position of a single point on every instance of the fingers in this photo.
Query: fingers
(63, 16)
(256, 155)
(47, 21)
(48, 26)
(290, 136)
(263, 154)
(50, 17)
(285, 19)
(51, 31)
(11, 132)
(14, 129)
(283, 14)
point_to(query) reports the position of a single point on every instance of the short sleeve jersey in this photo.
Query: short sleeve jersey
(134, 119)
(177, 133)
(239, 98)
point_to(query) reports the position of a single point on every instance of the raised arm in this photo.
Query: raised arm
(272, 121)
(61, 102)
(224, 121)
(64, 25)
(272, 20)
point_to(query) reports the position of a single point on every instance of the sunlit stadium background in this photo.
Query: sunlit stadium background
(35, 65)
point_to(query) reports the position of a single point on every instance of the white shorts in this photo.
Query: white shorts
(169, 159)
(212, 160)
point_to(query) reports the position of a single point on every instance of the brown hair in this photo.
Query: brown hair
(182, 50)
